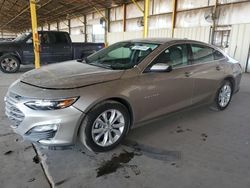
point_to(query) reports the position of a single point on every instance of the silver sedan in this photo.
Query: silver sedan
(99, 99)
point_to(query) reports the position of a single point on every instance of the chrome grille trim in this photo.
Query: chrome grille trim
(15, 115)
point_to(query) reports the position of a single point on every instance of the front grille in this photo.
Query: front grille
(11, 110)
(36, 136)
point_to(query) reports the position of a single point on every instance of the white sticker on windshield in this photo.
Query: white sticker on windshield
(141, 48)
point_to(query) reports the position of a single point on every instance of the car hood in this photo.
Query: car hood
(4, 44)
(69, 75)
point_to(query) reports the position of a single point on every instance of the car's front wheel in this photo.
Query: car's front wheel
(9, 63)
(105, 126)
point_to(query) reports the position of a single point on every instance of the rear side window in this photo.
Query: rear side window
(59, 38)
(202, 54)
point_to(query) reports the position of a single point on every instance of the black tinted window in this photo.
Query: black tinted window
(202, 54)
(175, 56)
(218, 55)
(59, 38)
(44, 38)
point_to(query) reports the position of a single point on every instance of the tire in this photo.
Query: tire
(95, 133)
(9, 63)
(224, 95)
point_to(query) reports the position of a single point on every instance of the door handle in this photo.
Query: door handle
(188, 74)
(218, 68)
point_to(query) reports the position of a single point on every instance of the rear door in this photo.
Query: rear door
(60, 46)
(207, 72)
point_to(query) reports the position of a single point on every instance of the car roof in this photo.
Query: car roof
(164, 40)
(52, 32)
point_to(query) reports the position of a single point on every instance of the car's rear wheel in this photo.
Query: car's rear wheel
(9, 64)
(105, 126)
(224, 95)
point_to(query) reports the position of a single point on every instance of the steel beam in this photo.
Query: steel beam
(138, 6)
(36, 42)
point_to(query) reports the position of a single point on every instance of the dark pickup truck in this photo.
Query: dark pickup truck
(55, 46)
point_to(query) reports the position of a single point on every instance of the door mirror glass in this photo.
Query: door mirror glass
(161, 67)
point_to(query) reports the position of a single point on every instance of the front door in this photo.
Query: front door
(165, 92)
(28, 49)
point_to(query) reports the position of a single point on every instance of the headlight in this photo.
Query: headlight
(50, 104)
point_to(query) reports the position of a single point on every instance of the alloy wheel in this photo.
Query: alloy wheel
(108, 127)
(9, 64)
(225, 95)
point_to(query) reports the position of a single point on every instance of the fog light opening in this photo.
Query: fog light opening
(44, 128)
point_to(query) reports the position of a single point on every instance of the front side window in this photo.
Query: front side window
(123, 55)
(175, 56)
(22, 37)
(218, 55)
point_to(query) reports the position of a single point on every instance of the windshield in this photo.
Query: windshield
(122, 55)
(21, 37)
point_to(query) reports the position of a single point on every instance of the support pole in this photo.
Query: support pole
(57, 26)
(69, 26)
(173, 17)
(124, 17)
(214, 17)
(106, 27)
(146, 13)
(85, 29)
(36, 42)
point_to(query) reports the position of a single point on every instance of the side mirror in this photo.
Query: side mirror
(161, 67)
(29, 41)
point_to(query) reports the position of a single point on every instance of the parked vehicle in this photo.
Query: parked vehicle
(55, 46)
(100, 99)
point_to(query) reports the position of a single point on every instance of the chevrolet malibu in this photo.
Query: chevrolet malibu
(99, 99)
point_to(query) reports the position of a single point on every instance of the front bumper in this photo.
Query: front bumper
(64, 123)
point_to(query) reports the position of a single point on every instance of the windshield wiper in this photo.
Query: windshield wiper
(101, 65)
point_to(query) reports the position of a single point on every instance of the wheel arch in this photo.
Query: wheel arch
(231, 80)
(119, 100)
